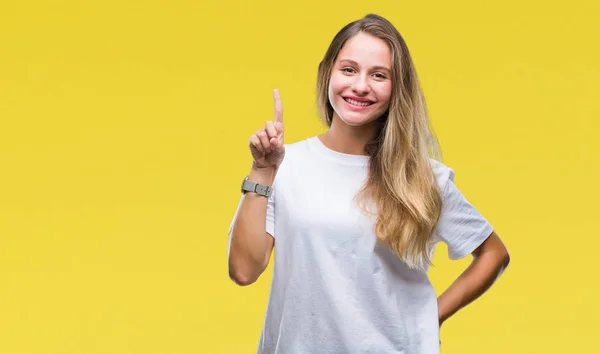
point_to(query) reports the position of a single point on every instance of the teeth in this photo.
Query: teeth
(357, 103)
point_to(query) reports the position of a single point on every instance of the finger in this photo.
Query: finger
(271, 134)
(264, 140)
(278, 107)
(270, 129)
(255, 141)
(279, 130)
(278, 143)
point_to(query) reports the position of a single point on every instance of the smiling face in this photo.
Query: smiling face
(360, 85)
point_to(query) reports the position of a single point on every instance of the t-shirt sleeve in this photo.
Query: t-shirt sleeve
(270, 220)
(461, 226)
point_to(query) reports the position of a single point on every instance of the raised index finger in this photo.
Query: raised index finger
(278, 107)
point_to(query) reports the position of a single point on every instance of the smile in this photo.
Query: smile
(357, 103)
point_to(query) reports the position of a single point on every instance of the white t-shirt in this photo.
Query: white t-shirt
(335, 287)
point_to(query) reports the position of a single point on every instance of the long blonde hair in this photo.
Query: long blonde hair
(401, 181)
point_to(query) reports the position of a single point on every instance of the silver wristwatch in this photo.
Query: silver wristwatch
(249, 186)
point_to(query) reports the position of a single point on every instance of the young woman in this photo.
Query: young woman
(356, 212)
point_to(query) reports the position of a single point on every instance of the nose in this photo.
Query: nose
(361, 85)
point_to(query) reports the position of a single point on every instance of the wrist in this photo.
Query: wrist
(263, 175)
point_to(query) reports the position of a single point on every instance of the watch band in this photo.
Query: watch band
(261, 189)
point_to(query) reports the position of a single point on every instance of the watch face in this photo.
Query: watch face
(248, 186)
(244, 190)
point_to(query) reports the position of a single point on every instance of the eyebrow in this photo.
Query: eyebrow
(352, 62)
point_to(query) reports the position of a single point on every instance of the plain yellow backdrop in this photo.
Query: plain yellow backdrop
(123, 143)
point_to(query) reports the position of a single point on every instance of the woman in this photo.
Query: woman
(356, 212)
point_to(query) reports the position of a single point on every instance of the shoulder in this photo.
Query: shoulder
(298, 147)
(442, 173)
(297, 152)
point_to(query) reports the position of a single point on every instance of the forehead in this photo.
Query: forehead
(366, 49)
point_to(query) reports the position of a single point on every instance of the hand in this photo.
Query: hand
(266, 146)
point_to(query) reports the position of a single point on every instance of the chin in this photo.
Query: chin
(356, 123)
(356, 120)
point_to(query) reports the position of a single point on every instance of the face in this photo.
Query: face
(360, 86)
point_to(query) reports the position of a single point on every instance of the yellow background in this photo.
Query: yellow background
(123, 143)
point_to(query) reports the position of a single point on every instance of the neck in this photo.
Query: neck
(348, 139)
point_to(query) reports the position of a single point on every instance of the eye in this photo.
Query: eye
(347, 70)
(380, 76)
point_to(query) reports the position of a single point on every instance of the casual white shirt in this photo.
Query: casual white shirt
(336, 288)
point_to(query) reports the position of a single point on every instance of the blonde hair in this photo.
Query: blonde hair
(401, 182)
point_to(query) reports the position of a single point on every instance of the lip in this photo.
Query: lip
(359, 99)
(357, 108)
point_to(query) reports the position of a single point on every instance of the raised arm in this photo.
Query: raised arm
(250, 245)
